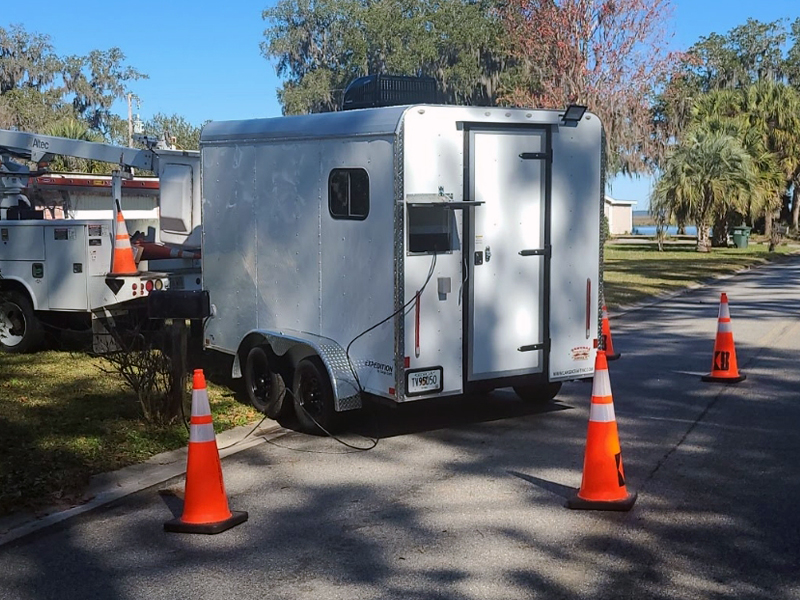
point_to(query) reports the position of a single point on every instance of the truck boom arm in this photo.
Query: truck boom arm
(41, 148)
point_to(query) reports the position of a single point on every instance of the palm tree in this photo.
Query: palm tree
(76, 129)
(773, 113)
(707, 174)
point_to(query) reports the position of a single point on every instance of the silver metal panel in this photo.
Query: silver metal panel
(345, 124)
(229, 243)
(577, 198)
(357, 263)
(67, 267)
(506, 291)
(287, 231)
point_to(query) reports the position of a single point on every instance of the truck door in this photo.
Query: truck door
(505, 326)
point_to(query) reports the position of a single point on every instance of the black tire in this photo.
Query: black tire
(20, 328)
(539, 393)
(264, 387)
(313, 397)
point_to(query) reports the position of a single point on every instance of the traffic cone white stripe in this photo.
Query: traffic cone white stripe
(602, 413)
(724, 311)
(601, 386)
(725, 327)
(202, 433)
(200, 405)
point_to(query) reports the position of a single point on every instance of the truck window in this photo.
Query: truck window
(348, 194)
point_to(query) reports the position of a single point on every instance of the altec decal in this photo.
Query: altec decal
(580, 353)
(41, 144)
(379, 367)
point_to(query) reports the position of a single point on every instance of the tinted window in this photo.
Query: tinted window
(348, 194)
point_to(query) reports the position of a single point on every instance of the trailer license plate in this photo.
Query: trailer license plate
(420, 382)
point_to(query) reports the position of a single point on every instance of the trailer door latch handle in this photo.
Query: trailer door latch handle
(478, 257)
(488, 253)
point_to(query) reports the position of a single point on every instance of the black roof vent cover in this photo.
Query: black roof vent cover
(389, 90)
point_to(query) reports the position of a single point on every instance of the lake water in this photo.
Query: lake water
(650, 230)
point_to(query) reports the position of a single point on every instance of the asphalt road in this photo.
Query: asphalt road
(465, 500)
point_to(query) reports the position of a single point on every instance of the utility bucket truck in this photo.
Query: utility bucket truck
(59, 271)
(405, 252)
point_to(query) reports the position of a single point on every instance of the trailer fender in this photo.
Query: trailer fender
(293, 346)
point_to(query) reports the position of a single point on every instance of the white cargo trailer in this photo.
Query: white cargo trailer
(405, 252)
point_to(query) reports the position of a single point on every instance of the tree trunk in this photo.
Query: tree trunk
(768, 223)
(703, 238)
(795, 206)
(719, 235)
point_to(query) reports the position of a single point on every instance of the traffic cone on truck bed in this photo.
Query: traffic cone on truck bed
(122, 262)
(723, 366)
(603, 483)
(205, 505)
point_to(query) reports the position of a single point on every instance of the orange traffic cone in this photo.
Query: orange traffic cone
(603, 483)
(122, 262)
(205, 506)
(723, 366)
(608, 344)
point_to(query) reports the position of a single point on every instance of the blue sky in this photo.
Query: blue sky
(204, 61)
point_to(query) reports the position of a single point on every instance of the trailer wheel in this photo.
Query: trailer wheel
(313, 397)
(542, 392)
(265, 388)
(20, 328)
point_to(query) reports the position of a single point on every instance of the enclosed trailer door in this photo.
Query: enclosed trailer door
(506, 262)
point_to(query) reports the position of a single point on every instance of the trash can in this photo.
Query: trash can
(740, 236)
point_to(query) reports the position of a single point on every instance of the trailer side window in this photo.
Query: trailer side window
(348, 194)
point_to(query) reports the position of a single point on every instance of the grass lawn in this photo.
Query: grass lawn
(62, 420)
(633, 272)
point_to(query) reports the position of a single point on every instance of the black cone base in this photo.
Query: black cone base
(178, 526)
(613, 356)
(620, 505)
(714, 379)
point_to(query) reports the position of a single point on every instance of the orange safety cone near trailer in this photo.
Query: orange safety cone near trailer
(724, 368)
(122, 262)
(603, 483)
(608, 344)
(205, 506)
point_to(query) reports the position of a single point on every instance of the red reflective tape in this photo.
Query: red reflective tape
(416, 328)
(201, 419)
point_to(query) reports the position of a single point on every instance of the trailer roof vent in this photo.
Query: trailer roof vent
(389, 90)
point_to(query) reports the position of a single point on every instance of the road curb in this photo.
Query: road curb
(105, 488)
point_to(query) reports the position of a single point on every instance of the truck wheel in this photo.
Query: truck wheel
(313, 397)
(540, 393)
(20, 329)
(265, 388)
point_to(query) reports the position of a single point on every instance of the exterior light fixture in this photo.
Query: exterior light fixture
(573, 114)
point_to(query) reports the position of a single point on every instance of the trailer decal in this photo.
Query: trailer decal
(379, 367)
